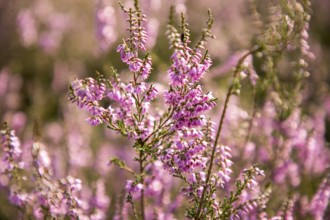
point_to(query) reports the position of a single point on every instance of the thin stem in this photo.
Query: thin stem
(160, 125)
(233, 198)
(229, 93)
(142, 182)
(134, 212)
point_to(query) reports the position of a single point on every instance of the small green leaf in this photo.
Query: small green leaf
(118, 162)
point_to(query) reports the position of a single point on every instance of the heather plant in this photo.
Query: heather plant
(182, 152)
(33, 188)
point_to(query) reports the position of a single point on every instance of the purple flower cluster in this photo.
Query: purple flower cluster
(133, 188)
(225, 164)
(287, 211)
(54, 198)
(188, 102)
(185, 152)
(250, 176)
(321, 199)
(41, 195)
(254, 207)
(299, 135)
(11, 147)
(132, 99)
(188, 66)
(86, 93)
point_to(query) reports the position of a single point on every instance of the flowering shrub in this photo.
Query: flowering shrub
(178, 157)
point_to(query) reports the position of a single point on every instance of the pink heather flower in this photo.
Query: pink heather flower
(187, 66)
(18, 199)
(188, 192)
(135, 64)
(128, 50)
(158, 184)
(199, 191)
(146, 68)
(321, 199)
(133, 188)
(187, 69)
(140, 88)
(225, 164)
(131, 99)
(192, 178)
(250, 177)
(249, 207)
(304, 46)
(72, 183)
(11, 144)
(202, 176)
(57, 197)
(86, 93)
(94, 121)
(189, 106)
(288, 212)
(11, 147)
(185, 153)
(71, 188)
(298, 135)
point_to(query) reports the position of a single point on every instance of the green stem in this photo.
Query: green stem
(229, 93)
(142, 182)
(134, 212)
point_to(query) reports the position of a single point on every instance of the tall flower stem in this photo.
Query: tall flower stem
(229, 93)
(142, 182)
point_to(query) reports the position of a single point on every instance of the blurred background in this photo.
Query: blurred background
(45, 44)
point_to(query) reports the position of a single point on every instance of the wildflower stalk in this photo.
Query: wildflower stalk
(229, 93)
(249, 174)
(134, 212)
(12, 148)
(142, 182)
